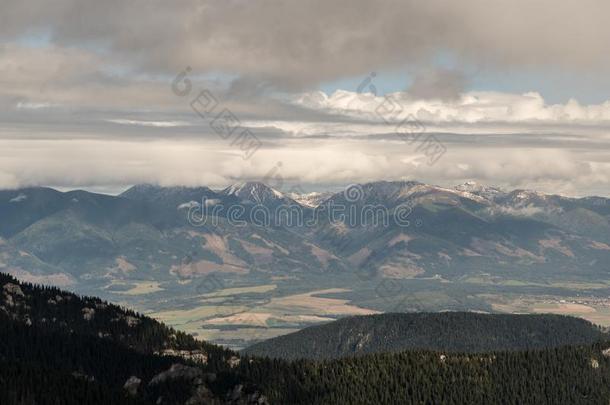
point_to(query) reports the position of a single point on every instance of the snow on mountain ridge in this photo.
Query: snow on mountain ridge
(256, 192)
(311, 200)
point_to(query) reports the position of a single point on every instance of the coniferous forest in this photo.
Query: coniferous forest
(446, 331)
(59, 348)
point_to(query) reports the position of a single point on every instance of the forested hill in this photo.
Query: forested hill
(60, 348)
(58, 310)
(447, 331)
(569, 375)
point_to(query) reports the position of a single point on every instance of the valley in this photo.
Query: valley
(255, 312)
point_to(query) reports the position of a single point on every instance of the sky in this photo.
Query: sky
(319, 94)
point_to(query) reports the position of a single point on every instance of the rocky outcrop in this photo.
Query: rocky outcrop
(132, 385)
(13, 289)
(12, 294)
(197, 356)
(177, 371)
(201, 393)
(83, 376)
(233, 361)
(88, 313)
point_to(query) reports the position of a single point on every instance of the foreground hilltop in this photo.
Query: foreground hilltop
(448, 331)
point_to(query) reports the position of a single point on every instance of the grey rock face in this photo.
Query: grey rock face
(132, 385)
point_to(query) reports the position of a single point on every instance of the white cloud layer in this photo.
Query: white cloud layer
(312, 164)
(470, 107)
(85, 97)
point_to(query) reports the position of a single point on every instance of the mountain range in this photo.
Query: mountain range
(393, 243)
(81, 235)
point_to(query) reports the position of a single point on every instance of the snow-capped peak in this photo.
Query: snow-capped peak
(473, 187)
(469, 185)
(311, 200)
(254, 191)
(521, 198)
(19, 198)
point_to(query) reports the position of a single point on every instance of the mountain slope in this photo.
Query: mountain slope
(169, 197)
(57, 347)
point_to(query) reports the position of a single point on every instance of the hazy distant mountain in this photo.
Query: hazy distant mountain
(170, 197)
(446, 332)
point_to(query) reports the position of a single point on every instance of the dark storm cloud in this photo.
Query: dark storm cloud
(299, 43)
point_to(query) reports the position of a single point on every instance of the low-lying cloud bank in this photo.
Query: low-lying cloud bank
(325, 163)
(470, 107)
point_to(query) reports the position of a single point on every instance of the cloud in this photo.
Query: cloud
(470, 107)
(327, 162)
(444, 84)
(33, 106)
(156, 124)
(295, 44)
(85, 97)
(53, 76)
